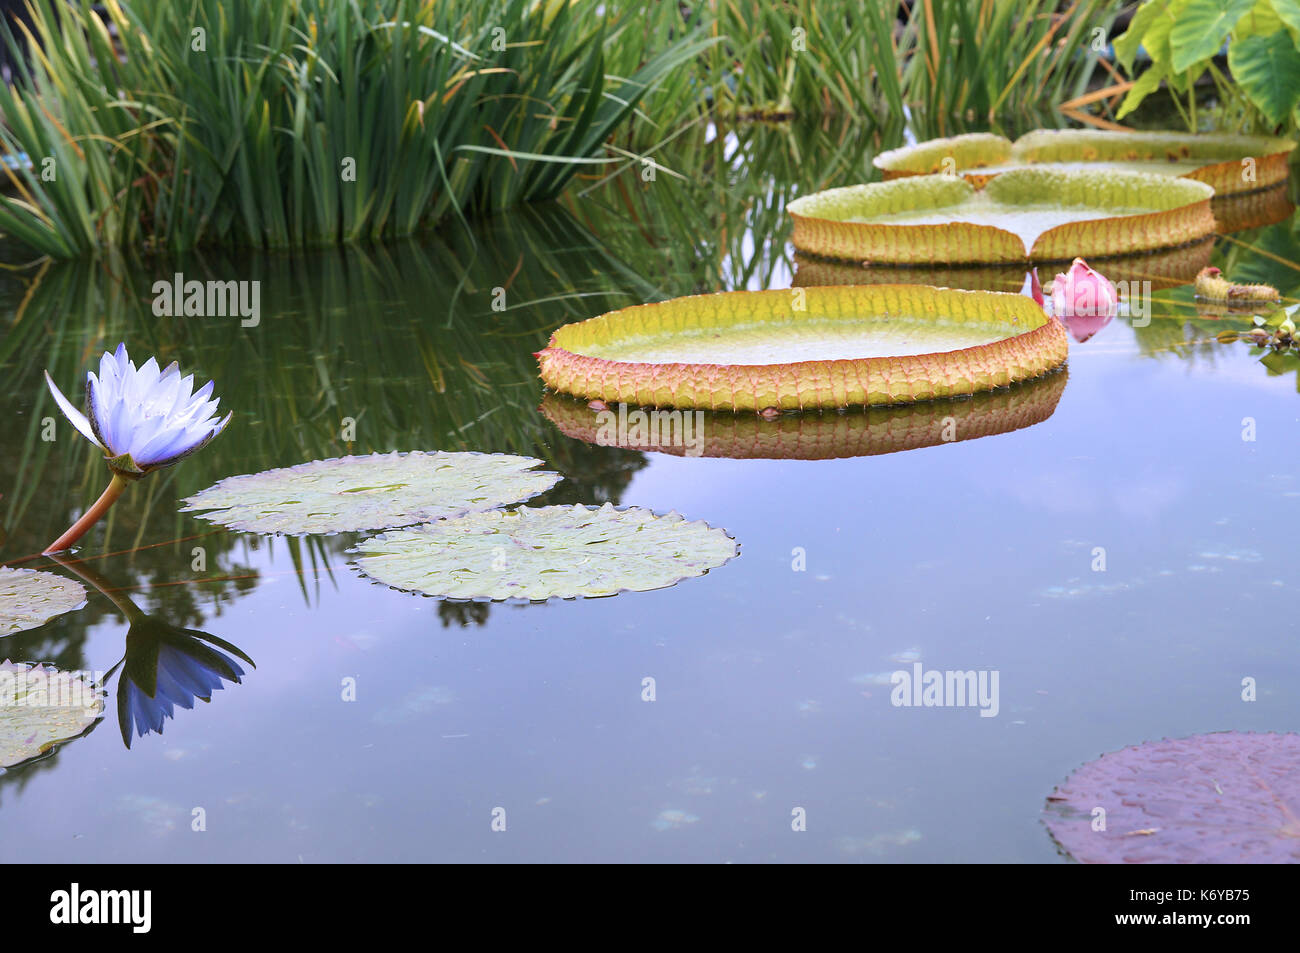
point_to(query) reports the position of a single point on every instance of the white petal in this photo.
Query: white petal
(147, 429)
(161, 398)
(95, 411)
(121, 426)
(198, 412)
(77, 417)
(166, 444)
(109, 375)
(222, 426)
(184, 391)
(148, 374)
(203, 394)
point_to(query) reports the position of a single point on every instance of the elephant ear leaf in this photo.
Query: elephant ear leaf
(1201, 29)
(1228, 797)
(1287, 11)
(1268, 70)
(1148, 29)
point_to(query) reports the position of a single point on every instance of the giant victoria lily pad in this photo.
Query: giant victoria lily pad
(805, 348)
(347, 494)
(41, 707)
(1025, 214)
(1216, 160)
(545, 552)
(814, 436)
(30, 598)
(1228, 797)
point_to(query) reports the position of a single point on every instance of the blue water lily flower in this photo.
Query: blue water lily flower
(142, 419)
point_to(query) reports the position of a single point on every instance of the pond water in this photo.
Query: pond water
(1117, 546)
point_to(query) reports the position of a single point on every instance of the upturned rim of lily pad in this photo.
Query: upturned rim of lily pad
(1033, 344)
(973, 152)
(833, 434)
(1176, 212)
(525, 512)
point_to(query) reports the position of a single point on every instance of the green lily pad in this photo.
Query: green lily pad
(379, 491)
(29, 598)
(42, 707)
(1043, 214)
(1214, 159)
(543, 552)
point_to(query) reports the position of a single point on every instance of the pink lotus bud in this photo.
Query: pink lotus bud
(1083, 292)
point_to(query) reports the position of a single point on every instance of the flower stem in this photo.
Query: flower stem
(92, 516)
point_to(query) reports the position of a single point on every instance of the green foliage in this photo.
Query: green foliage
(856, 58)
(1182, 37)
(986, 57)
(1268, 69)
(245, 122)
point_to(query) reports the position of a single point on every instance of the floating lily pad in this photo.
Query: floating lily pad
(1030, 213)
(29, 598)
(545, 552)
(805, 349)
(42, 707)
(347, 494)
(1228, 797)
(811, 436)
(1213, 159)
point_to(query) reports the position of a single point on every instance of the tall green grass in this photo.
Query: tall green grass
(871, 59)
(301, 122)
(984, 57)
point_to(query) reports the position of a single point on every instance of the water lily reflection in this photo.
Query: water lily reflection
(165, 665)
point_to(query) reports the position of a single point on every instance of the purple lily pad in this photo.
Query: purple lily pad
(1226, 797)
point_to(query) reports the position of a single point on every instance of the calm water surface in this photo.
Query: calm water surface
(771, 683)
